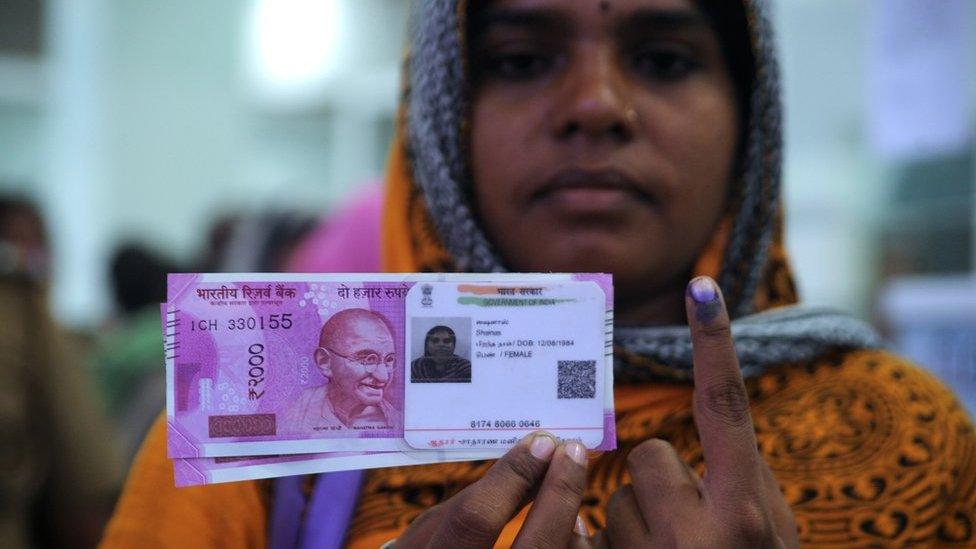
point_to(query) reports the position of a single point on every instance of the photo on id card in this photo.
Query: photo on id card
(441, 350)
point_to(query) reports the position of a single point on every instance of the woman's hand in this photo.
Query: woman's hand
(554, 474)
(738, 503)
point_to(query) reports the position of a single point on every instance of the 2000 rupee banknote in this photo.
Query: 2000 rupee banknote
(197, 471)
(270, 364)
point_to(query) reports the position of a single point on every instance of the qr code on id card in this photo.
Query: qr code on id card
(577, 379)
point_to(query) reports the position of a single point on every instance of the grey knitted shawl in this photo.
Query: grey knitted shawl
(437, 104)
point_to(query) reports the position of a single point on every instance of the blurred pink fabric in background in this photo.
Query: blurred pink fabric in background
(347, 240)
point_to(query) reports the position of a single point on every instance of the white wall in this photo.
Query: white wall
(146, 129)
(21, 118)
(831, 183)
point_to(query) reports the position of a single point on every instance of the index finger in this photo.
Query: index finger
(721, 410)
(478, 513)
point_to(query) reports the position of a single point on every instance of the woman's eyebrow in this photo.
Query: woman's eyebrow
(528, 19)
(662, 20)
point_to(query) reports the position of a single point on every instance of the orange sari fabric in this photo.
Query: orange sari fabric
(868, 449)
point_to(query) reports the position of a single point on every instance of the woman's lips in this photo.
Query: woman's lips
(584, 199)
(591, 191)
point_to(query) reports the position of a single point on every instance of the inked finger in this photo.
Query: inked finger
(785, 522)
(478, 513)
(721, 404)
(664, 487)
(552, 519)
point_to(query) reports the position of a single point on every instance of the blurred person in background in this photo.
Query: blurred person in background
(129, 362)
(255, 242)
(23, 247)
(217, 241)
(642, 138)
(346, 240)
(60, 472)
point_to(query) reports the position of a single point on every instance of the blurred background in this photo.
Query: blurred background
(142, 136)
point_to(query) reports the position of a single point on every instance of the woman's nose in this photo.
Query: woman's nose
(594, 101)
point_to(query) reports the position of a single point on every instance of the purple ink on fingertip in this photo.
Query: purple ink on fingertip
(702, 290)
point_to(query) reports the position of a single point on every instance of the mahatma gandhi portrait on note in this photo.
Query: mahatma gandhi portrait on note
(357, 356)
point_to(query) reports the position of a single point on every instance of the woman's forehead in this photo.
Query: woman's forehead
(566, 18)
(586, 8)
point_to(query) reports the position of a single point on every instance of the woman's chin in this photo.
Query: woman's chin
(592, 251)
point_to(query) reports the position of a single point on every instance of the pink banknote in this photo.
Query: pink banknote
(311, 369)
(199, 471)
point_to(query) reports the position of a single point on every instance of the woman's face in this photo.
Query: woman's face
(440, 343)
(603, 136)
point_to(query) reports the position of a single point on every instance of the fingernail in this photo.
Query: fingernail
(703, 290)
(580, 527)
(576, 452)
(542, 447)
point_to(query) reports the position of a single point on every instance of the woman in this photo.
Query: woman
(639, 137)
(439, 364)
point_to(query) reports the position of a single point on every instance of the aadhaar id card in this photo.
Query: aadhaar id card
(491, 362)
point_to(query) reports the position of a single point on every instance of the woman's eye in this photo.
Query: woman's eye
(664, 64)
(517, 66)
